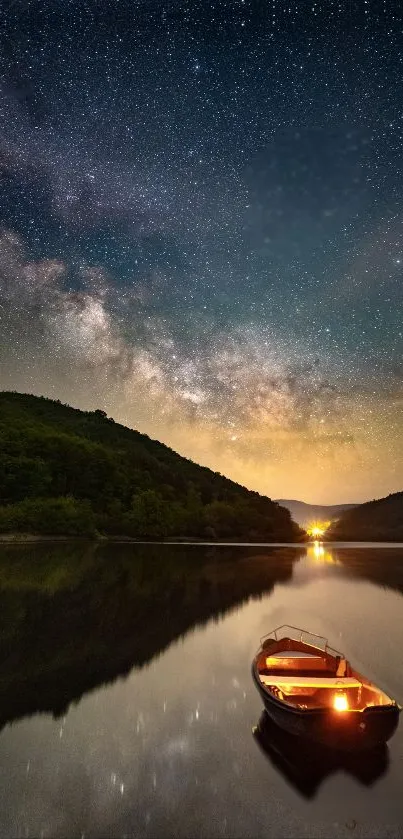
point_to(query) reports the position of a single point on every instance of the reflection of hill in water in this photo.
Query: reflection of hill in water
(382, 566)
(73, 618)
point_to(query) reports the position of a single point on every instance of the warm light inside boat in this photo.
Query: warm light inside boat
(340, 702)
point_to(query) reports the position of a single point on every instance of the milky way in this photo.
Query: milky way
(201, 229)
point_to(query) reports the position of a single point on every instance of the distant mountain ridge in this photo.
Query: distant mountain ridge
(304, 514)
(380, 520)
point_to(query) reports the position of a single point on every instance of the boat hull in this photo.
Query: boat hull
(352, 731)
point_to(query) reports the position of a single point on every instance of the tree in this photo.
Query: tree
(149, 515)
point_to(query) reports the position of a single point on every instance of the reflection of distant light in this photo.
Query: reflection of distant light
(319, 553)
(318, 550)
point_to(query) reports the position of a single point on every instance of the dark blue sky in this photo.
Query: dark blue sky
(201, 211)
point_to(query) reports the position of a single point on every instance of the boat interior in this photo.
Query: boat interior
(305, 676)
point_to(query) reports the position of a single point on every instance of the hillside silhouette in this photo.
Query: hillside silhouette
(375, 521)
(69, 472)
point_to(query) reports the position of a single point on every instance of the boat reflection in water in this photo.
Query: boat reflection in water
(305, 764)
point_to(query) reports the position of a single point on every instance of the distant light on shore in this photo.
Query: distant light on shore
(317, 529)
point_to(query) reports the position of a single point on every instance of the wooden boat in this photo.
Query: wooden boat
(311, 690)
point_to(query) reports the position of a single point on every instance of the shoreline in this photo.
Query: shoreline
(33, 539)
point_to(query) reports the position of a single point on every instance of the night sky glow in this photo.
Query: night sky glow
(201, 209)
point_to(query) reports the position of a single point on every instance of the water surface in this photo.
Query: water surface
(127, 706)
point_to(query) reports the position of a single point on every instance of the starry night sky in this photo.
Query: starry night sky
(201, 229)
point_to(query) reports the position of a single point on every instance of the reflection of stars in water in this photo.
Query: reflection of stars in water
(115, 782)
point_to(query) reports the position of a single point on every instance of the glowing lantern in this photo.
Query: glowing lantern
(340, 702)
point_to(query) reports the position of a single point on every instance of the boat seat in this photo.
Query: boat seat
(310, 681)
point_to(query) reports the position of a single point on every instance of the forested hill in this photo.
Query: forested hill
(376, 521)
(65, 471)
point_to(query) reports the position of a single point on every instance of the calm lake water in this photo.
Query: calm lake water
(127, 706)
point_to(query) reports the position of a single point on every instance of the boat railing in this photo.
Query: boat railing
(302, 635)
